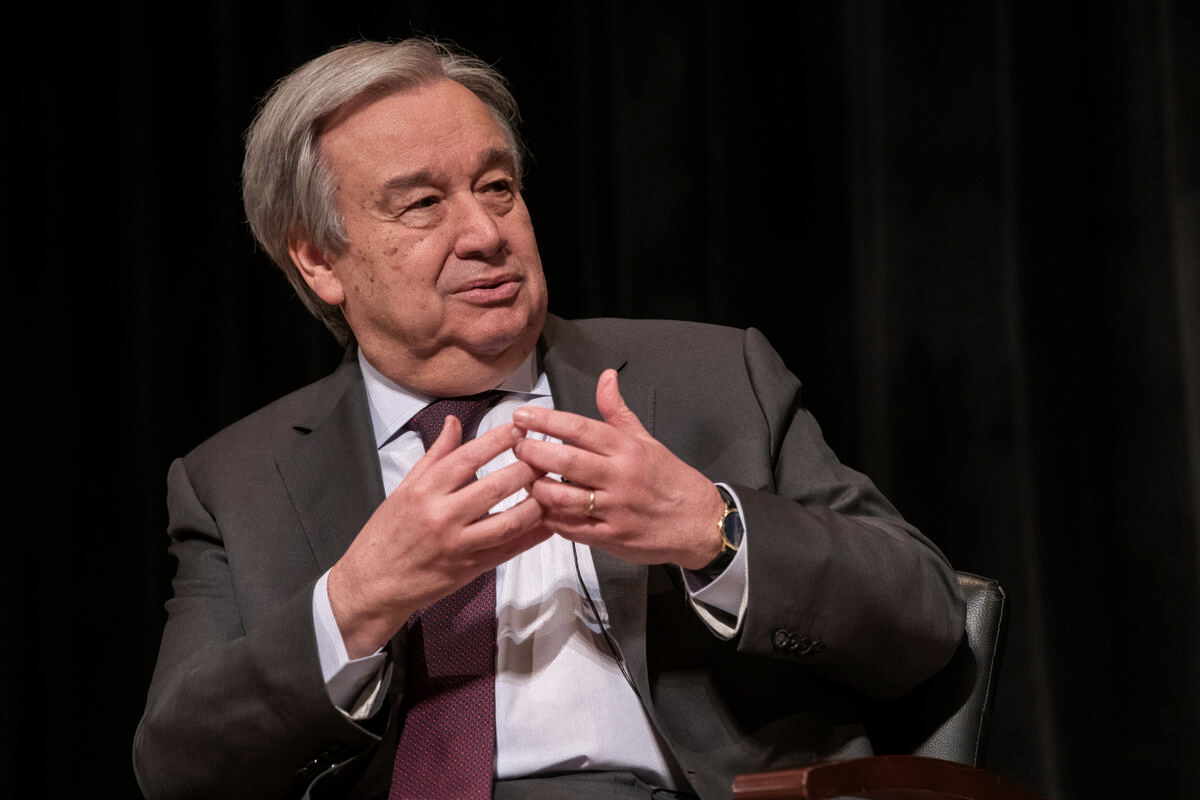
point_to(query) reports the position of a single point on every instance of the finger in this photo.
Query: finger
(585, 530)
(589, 434)
(612, 405)
(567, 499)
(499, 537)
(478, 497)
(458, 466)
(494, 556)
(447, 440)
(573, 463)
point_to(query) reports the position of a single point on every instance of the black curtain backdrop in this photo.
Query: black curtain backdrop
(972, 228)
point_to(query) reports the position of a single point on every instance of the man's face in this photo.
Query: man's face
(441, 281)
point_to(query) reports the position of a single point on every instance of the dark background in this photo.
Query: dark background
(972, 228)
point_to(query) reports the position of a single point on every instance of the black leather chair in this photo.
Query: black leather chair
(940, 727)
(947, 717)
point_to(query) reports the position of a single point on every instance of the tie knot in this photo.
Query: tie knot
(469, 410)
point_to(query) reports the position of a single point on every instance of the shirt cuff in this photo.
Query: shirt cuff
(347, 680)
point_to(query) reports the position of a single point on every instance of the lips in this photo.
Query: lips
(491, 289)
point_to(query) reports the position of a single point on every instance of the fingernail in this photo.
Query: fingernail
(522, 415)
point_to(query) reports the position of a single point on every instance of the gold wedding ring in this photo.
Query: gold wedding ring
(591, 504)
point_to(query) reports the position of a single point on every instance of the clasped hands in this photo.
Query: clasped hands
(622, 491)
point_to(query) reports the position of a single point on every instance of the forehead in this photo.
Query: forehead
(440, 124)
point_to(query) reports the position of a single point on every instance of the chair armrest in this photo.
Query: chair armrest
(880, 778)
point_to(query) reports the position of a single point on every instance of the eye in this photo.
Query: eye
(502, 186)
(429, 201)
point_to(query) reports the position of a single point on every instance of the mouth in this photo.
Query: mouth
(491, 290)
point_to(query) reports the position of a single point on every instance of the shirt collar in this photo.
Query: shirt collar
(393, 405)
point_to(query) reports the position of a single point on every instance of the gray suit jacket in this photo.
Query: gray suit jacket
(847, 602)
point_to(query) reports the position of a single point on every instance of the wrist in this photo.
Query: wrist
(363, 631)
(714, 549)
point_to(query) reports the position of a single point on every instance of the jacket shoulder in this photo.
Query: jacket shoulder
(675, 344)
(651, 332)
(280, 421)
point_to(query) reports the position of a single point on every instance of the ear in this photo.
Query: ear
(316, 268)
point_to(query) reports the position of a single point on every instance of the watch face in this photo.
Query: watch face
(732, 527)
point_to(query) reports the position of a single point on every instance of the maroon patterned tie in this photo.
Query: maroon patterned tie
(448, 744)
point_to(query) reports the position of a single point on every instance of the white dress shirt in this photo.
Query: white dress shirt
(562, 701)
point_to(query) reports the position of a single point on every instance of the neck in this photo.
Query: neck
(450, 374)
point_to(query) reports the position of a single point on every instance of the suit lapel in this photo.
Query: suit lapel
(331, 471)
(573, 363)
(333, 477)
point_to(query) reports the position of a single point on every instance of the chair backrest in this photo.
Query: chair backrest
(947, 717)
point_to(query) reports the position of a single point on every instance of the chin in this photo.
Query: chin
(497, 334)
(501, 344)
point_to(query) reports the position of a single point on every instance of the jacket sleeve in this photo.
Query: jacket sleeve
(235, 710)
(837, 581)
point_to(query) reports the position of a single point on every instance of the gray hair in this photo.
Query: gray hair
(286, 184)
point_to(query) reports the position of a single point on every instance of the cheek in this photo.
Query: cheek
(398, 266)
(522, 240)
(360, 278)
(398, 275)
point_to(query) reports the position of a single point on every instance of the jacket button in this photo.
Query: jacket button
(810, 647)
(787, 641)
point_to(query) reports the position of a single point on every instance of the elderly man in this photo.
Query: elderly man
(496, 551)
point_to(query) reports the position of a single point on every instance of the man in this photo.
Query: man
(659, 573)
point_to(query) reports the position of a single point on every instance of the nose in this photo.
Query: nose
(479, 233)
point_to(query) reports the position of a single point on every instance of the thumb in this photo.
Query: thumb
(612, 405)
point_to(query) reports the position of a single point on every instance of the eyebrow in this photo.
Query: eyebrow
(402, 183)
(497, 157)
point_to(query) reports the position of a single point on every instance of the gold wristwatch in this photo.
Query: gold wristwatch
(731, 528)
